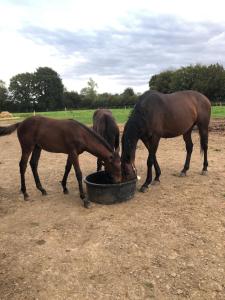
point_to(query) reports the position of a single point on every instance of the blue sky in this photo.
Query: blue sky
(118, 43)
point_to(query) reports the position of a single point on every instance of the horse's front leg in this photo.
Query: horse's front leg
(148, 180)
(65, 176)
(34, 167)
(23, 166)
(75, 162)
(152, 146)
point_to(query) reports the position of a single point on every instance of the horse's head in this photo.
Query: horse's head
(129, 171)
(113, 167)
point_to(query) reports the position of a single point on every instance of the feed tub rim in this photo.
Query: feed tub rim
(107, 184)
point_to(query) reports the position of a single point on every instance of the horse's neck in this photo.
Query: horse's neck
(130, 140)
(97, 148)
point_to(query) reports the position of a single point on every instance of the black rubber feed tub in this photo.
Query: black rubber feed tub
(101, 190)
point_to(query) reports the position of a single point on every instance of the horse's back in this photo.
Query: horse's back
(170, 115)
(105, 125)
(50, 134)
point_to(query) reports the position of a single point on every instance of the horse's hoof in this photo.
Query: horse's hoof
(204, 172)
(82, 196)
(143, 189)
(155, 182)
(182, 174)
(87, 204)
(44, 193)
(65, 191)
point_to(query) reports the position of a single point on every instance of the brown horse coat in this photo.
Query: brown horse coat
(60, 136)
(157, 115)
(105, 125)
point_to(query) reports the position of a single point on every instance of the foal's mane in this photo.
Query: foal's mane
(97, 136)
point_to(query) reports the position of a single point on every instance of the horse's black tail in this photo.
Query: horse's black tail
(8, 129)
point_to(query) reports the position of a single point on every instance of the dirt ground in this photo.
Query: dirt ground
(168, 243)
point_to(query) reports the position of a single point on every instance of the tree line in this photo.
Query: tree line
(208, 80)
(43, 90)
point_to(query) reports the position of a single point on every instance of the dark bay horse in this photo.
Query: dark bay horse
(105, 125)
(60, 136)
(157, 116)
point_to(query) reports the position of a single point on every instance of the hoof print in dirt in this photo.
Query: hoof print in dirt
(40, 242)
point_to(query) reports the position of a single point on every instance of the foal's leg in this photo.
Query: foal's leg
(65, 176)
(75, 162)
(189, 149)
(99, 164)
(152, 148)
(203, 131)
(23, 165)
(34, 165)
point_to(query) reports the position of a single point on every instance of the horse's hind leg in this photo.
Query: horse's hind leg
(189, 149)
(203, 131)
(34, 165)
(23, 166)
(65, 176)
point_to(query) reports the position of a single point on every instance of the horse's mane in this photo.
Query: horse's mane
(97, 136)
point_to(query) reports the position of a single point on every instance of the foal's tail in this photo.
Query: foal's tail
(8, 129)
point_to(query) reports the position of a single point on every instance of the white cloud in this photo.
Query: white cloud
(19, 53)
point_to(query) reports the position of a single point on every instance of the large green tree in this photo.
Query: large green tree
(71, 99)
(128, 97)
(89, 94)
(162, 82)
(21, 92)
(48, 89)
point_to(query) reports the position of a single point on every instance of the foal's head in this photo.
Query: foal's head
(113, 167)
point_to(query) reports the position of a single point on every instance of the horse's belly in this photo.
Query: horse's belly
(53, 149)
(179, 129)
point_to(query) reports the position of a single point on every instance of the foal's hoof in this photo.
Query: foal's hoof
(44, 193)
(87, 204)
(65, 191)
(143, 189)
(25, 197)
(204, 172)
(182, 174)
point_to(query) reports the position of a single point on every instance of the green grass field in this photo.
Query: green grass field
(84, 116)
(120, 114)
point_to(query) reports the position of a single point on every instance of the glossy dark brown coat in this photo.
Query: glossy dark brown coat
(157, 115)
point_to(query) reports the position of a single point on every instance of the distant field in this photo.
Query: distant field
(218, 111)
(121, 115)
(84, 116)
